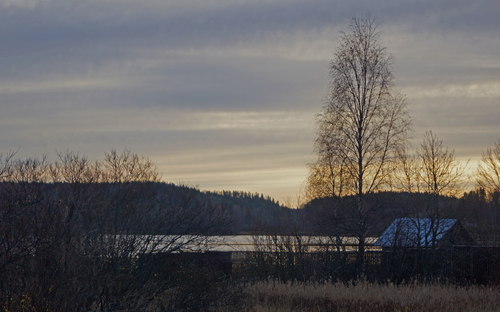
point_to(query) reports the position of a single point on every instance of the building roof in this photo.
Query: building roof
(415, 232)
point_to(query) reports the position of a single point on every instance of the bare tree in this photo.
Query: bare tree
(363, 125)
(128, 167)
(86, 235)
(326, 180)
(441, 173)
(327, 176)
(24, 234)
(433, 170)
(487, 197)
(430, 179)
(488, 170)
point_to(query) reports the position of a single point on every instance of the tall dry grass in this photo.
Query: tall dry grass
(273, 296)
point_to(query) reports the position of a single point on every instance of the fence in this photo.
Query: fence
(461, 265)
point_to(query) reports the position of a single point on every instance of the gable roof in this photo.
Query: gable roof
(415, 232)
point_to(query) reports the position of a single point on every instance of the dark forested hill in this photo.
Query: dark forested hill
(251, 212)
(381, 209)
(143, 207)
(162, 208)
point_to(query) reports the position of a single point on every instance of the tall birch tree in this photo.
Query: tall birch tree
(361, 128)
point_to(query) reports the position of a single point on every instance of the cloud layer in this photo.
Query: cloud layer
(223, 94)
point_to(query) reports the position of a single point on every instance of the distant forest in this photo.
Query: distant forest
(255, 213)
(158, 207)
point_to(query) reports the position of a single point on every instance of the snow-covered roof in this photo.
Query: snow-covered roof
(415, 232)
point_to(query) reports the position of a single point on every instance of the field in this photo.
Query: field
(271, 296)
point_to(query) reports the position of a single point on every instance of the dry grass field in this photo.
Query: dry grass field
(270, 296)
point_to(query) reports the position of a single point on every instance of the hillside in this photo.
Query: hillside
(250, 211)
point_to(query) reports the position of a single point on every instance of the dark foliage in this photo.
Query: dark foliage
(77, 246)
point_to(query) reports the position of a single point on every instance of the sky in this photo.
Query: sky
(222, 94)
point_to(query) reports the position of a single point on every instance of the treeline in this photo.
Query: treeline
(242, 194)
(482, 215)
(479, 212)
(251, 212)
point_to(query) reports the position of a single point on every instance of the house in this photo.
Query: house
(425, 232)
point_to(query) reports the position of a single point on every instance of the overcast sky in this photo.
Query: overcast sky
(223, 94)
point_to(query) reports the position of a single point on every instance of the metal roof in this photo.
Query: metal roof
(415, 232)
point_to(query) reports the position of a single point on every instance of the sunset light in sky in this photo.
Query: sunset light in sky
(223, 94)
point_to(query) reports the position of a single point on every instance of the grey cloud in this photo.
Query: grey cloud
(78, 23)
(441, 16)
(63, 36)
(200, 82)
(69, 69)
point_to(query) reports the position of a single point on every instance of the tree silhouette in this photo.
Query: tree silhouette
(360, 129)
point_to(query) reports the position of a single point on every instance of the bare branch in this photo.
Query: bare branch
(488, 171)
